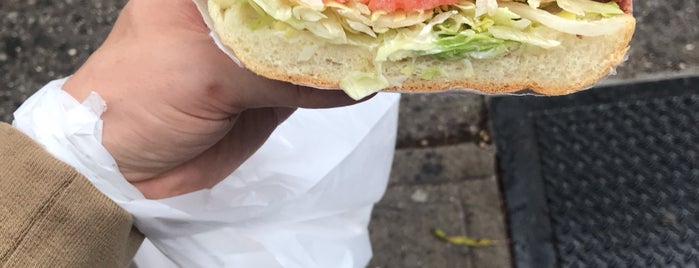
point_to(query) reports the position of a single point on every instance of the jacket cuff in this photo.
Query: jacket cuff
(52, 216)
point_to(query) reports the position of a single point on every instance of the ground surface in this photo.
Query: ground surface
(444, 171)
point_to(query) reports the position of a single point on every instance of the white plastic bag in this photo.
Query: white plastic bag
(303, 200)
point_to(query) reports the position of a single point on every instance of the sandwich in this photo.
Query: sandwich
(549, 47)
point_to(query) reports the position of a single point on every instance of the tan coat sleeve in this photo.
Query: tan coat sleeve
(51, 216)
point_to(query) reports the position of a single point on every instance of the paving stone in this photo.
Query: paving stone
(666, 41)
(485, 218)
(434, 119)
(401, 224)
(434, 165)
(401, 228)
(435, 188)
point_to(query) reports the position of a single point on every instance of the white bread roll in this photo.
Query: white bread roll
(306, 59)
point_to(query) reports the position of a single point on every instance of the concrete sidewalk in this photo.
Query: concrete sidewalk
(445, 171)
(443, 177)
(444, 174)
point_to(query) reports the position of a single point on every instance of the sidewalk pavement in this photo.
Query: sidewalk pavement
(444, 175)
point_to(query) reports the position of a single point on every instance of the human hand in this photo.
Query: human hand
(181, 115)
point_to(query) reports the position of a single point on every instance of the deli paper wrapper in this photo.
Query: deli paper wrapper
(203, 7)
(302, 200)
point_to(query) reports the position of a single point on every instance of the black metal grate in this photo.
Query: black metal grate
(606, 178)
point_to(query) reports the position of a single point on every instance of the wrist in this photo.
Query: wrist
(72, 131)
(99, 75)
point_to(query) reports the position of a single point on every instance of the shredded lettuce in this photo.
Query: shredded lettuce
(404, 44)
(469, 68)
(507, 18)
(275, 8)
(305, 13)
(314, 4)
(469, 44)
(225, 3)
(454, 35)
(358, 85)
(430, 73)
(328, 28)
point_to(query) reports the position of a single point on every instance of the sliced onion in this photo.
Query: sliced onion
(578, 27)
(580, 7)
(486, 7)
(572, 8)
(507, 33)
(383, 22)
(315, 4)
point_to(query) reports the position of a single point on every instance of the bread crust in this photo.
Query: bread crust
(557, 71)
